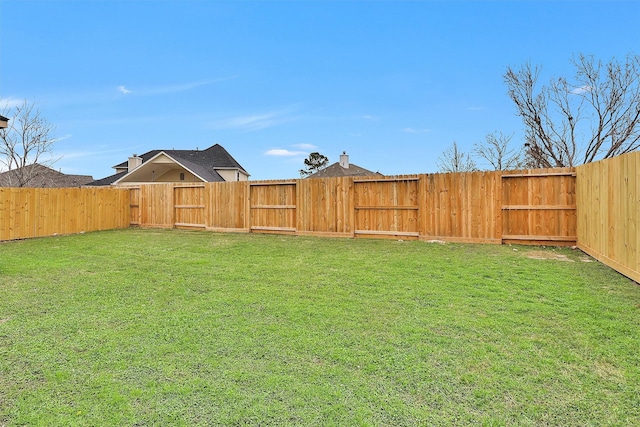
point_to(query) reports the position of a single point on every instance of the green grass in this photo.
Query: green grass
(149, 327)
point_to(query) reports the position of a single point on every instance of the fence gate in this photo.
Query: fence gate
(273, 207)
(134, 206)
(386, 207)
(539, 208)
(189, 206)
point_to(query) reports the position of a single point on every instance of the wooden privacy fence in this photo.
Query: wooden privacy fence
(533, 207)
(608, 199)
(37, 212)
(596, 206)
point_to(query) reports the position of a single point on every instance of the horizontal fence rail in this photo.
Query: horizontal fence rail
(534, 207)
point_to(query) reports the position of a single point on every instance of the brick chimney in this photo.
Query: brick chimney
(134, 162)
(344, 160)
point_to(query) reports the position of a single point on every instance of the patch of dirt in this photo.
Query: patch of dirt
(548, 255)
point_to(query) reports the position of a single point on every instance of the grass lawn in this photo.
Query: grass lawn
(168, 327)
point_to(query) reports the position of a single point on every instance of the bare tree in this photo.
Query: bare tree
(454, 160)
(313, 164)
(497, 152)
(26, 141)
(601, 107)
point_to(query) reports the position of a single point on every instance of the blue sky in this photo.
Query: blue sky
(392, 83)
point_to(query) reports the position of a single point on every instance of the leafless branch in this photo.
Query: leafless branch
(594, 118)
(27, 140)
(454, 160)
(497, 152)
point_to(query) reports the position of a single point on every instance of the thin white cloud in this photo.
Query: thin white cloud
(62, 138)
(181, 87)
(412, 130)
(254, 122)
(368, 117)
(173, 88)
(283, 152)
(249, 122)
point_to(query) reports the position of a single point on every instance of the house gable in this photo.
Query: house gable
(231, 174)
(214, 164)
(164, 168)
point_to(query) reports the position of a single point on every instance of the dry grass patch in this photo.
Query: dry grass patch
(548, 254)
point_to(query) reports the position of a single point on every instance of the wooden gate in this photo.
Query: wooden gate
(273, 207)
(386, 207)
(189, 206)
(539, 207)
(134, 206)
(156, 206)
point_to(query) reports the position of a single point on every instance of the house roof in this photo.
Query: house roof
(202, 163)
(107, 180)
(43, 177)
(337, 170)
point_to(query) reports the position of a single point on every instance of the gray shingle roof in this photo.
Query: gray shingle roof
(202, 162)
(43, 177)
(337, 170)
(107, 180)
